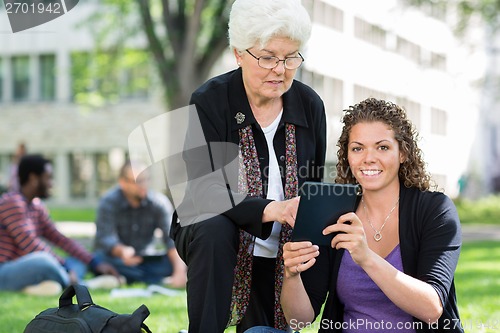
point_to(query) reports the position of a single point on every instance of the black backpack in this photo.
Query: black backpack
(86, 317)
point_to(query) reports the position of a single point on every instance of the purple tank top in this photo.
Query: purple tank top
(366, 308)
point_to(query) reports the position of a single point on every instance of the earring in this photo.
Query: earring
(239, 64)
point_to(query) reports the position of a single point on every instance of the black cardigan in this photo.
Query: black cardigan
(430, 241)
(217, 103)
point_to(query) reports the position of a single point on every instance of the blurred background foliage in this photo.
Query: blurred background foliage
(185, 38)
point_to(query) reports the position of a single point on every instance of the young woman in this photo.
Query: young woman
(391, 269)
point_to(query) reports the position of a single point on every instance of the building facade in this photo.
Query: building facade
(386, 50)
(42, 71)
(358, 49)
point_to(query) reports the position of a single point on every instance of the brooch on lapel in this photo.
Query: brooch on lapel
(240, 118)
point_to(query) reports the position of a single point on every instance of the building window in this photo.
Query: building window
(334, 17)
(107, 78)
(330, 172)
(107, 171)
(326, 14)
(82, 173)
(20, 78)
(361, 93)
(438, 61)
(439, 121)
(408, 49)
(1, 79)
(92, 174)
(319, 12)
(370, 33)
(318, 83)
(305, 76)
(331, 90)
(47, 77)
(495, 142)
(81, 80)
(309, 6)
(333, 96)
(412, 110)
(440, 180)
(436, 9)
(135, 75)
(94, 78)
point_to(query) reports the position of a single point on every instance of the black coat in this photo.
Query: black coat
(217, 103)
(430, 242)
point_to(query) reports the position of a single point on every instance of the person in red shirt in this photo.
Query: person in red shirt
(27, 262)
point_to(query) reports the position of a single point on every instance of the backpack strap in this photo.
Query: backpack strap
(82, 296)
(138, 318)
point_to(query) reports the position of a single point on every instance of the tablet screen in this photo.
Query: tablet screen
(321, 204)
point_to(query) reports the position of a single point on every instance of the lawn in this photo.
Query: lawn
(478, 286)
(483, 211)
(477, 280)
(168, 314)
(72, 214)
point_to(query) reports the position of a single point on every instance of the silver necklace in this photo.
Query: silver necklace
(378, 233)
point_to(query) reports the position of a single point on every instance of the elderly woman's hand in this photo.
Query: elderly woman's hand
(281, 211)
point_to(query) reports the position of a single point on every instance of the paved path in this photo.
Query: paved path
(470, 232)
(481, 232)
(76, 229)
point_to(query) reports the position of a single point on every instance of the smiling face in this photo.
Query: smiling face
(263, 85)
(374, 156)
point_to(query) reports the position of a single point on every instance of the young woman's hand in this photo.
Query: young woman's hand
(350, 236)
(298, 257)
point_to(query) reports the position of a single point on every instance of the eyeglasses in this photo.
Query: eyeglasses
(270, 62)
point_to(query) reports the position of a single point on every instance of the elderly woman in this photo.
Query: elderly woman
(392, 267)
(278, 124)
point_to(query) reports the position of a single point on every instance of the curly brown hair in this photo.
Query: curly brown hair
(412, 171)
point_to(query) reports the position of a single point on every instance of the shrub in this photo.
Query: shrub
(482, 211)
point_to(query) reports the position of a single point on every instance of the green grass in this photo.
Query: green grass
(73, 214)
(477, 280)
(168, 314)
(483, 211)
(478, 286)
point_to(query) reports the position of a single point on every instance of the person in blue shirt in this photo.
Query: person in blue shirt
(127, 218)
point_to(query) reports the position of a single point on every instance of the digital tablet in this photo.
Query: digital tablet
(150, 256)
(321, 204)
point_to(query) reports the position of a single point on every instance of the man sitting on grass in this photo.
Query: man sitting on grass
(128, 216)
(27, 261)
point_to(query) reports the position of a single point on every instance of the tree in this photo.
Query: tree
(483, 173)
(488, 10)
(185, 38)
(195, 37)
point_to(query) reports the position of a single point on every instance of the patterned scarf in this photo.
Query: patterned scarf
(250, 181)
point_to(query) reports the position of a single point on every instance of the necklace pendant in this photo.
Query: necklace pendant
(377, 236)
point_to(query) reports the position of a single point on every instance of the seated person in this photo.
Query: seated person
(127, 218)
(27, 261)
(390, 267)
